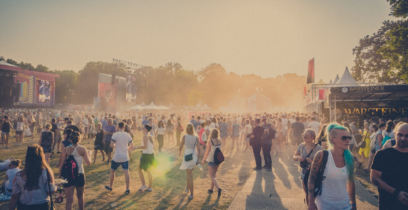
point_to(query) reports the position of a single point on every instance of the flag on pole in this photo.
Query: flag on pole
(310, 72)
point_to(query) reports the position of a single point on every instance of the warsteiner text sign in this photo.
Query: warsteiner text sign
(375, 111)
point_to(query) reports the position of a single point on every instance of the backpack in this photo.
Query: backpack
(319, 177)
(69, 169)
(218, 156)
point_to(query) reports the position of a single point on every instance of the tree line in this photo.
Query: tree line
(172, 84)
(383, 56)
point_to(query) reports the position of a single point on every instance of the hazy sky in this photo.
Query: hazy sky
(268, 38)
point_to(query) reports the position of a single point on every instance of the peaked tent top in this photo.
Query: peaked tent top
(347, 78)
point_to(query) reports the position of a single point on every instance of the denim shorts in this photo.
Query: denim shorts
(115, 165)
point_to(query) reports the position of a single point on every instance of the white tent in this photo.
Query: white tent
(347, 79)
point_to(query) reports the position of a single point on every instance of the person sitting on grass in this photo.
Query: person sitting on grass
(10, 174)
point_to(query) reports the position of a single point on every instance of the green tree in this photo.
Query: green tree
(65, 86)
(87, 86)
(399, 8)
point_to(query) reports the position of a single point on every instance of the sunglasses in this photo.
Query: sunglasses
(400, 135)
(345, 138)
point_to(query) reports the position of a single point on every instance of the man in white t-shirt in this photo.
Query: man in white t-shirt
(122, 143)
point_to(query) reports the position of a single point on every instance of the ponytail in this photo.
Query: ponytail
(349, 160)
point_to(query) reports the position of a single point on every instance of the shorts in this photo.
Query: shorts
(146, 161)
(212, 164)
(34, 206)
(19, 132)
(107, 147)
(115, 165)
(79, 181)
(99, 147)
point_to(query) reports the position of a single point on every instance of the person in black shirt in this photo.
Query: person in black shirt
(46, 141)
(256, 143)
(55, 132)
(390, 172)
(98, 144)
(269, 134)
(5, 131)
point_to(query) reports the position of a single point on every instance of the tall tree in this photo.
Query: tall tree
(399, 8)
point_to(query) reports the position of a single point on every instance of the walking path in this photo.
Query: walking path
(282, 189)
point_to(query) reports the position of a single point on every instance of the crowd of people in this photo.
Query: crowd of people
(328, 153)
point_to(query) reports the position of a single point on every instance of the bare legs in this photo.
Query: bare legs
(190, 185)
(69, 192)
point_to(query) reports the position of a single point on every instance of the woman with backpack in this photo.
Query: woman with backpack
(212, 145)
(190, 144)
(331, 181)
(73, 171)
(33, 185)
(46, 142)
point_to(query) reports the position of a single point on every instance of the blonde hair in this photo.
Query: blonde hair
(190, 129)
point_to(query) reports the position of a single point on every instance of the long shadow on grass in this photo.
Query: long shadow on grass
(282, 173)
(292, 169)
(173, 185)
(206, 205)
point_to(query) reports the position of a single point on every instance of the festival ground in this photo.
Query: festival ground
(242, 187)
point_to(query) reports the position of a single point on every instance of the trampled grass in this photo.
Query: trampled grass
(168, 180)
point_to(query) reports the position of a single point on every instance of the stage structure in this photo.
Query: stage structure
(111, 91)
(26, 88)
(131, 68)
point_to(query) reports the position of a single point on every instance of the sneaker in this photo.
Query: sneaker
(149, 189)
(108, 188)
(142, 188)
(127, 192)
(210, 191)
(190, 197)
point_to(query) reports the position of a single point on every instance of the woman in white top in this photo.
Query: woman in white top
(146, 160)
(213, 144)
(160, 132)
(190, 144)
(338, 188)
(80, 154)
(20, 125)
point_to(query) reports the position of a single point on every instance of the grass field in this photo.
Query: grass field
(168, 181)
